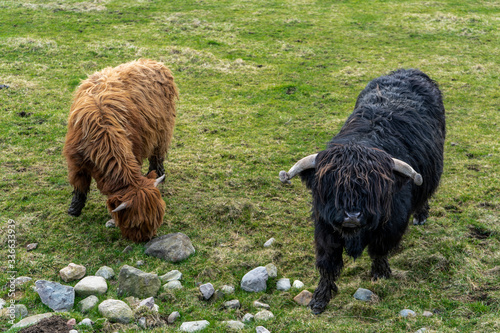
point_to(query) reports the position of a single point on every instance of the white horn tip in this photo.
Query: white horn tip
(285, 177)
(418, 179)
(122, 206)
(159, 180)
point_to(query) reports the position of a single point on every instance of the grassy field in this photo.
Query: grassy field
(262, 84)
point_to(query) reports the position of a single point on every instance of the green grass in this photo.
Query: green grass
(262, 84)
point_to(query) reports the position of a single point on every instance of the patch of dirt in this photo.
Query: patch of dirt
(478, 232)
(54, 324)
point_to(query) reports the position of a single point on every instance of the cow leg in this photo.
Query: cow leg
(329, 247)
(156, 164)
(80, 180)
(420, 215)
(380, 268)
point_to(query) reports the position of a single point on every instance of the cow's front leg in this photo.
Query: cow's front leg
(329, 247)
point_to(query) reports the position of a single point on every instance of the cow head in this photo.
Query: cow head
(352, 186)
(138, 211)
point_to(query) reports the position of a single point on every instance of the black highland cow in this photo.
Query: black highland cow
(381, 167)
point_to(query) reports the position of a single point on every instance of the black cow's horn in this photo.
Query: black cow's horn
(307, 162)
(407, 170)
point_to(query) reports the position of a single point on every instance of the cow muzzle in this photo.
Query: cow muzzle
(352, 220)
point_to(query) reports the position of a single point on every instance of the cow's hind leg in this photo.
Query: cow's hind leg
(329, 249)
(380, 268)
(420, 215)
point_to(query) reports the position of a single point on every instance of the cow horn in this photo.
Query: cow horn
(122, 206)
(159, 180)
(307, 162)
(407, 170)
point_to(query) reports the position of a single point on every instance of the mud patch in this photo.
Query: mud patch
(54, 324)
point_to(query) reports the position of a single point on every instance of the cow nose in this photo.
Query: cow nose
(352, 219)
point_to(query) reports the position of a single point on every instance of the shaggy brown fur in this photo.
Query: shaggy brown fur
(119, 117)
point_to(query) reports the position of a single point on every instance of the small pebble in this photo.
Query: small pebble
(226, 289)
(283, 284)
(72, 331)
(71, 322)
(21, 280)
(269, 242)
(234, 304)
(272, 270)
(86, 322)
(142, 322)
(422, 330)
(248, 317)
(31, 246)
(173, 317)
(171, 276)
(110, 224)
(106, 272)
(261, 329)
(193, 326)
(363, 294)
(258, 304)
(297, 284)
(407, 313)
(427, 314)
(207, 290)
(234, 324)
(139, 263)
(303, 298)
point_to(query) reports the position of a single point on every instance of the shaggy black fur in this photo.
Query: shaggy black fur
(401, 116)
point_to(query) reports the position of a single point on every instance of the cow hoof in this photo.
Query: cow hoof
(317, 307)
(419, 222)
(74, 212)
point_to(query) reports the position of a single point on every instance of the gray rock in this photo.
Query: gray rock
(172, 247)
(22, 280)
(134, 282)
(261, 329)
(142, 323)
(32, 320)
(227, 289)
(55, 295)
(248, 317)
(269, 242)
(258, 304)
(172, 318)
(148, 302)
(363, 295)
(297, 284)
(72, 272)
(422, 330)
(272, 270)
(173, 285)
(207, 290)
(72, 331)
(139, 263)
(255, 280)
(171, 276)
(91, 285)
(283, 284)
(234, 304)
(20, 310)
(86, 304)
(86, 321)
(193, 326)
(31, 247)
(407, 313)
(234, 324)
(116, 311)
(264, 315)
(106, 272)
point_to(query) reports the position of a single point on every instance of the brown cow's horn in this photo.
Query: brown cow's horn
(122, 206)
(407, 170)
(159, 180)
(307, 162)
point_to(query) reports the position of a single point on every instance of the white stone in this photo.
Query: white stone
(264, 315)
(173, 317)
(106, 272)
(72, 272)
(272, 270)
(261, 329)
(283, 284)
(86, 322)
(255, 280)
(87, 303)
(193, 326)
(110, 224)
(407, 313)
(207, 290)
(171, 276)
(234, 304)
(234, 324)
(248, 317)
(269, 242)
(116, 311)
(258, 304)
(297, 284)
(32, 320)
(91, 285)
(173, 285)
(226, 289)
(73, 331)
(22, 280)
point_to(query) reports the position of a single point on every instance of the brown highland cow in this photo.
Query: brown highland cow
(119, 117)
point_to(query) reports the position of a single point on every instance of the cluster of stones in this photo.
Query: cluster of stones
(142, 287)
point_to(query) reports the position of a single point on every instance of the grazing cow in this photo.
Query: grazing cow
(119, 117)
(381, 167)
